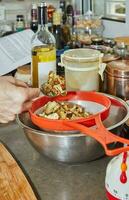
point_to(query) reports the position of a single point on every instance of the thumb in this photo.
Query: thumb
(33, 93)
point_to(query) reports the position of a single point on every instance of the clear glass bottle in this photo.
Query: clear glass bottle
(43, 50)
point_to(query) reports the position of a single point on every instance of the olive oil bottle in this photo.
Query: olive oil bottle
(43, 50)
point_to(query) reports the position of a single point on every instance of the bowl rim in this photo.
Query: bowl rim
(76, 133)
(92, 96)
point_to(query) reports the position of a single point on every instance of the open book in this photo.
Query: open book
(15, 50)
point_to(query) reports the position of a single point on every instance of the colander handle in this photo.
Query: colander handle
(102, 135)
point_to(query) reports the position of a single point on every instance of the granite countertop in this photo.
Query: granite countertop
(50, 179)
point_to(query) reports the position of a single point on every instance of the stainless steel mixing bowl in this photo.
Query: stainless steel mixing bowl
(73, 147)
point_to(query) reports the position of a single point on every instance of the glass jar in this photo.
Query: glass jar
(90, 23)
(97, 41)
(20, 23)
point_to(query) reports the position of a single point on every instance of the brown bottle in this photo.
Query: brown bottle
(34, 18)
(66, 35)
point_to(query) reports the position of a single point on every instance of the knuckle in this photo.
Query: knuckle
(12, 118)
(21, 95)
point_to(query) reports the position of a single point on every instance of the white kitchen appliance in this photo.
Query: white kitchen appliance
(117, 178)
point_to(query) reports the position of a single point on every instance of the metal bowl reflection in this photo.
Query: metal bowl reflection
(73, 146)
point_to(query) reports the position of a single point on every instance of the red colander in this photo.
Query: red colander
(101, 134)
(96, 99)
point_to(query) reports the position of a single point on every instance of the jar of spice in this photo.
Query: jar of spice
(20, 23)
(97, 41)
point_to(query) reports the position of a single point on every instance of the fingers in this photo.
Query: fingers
(26, 106)
(33, 93)
(14, 81)
(23, 99)
(5, 119)
(15, 97)
(8, 78)
(27, 94)
(20, 83)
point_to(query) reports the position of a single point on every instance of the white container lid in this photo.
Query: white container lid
(82, 55)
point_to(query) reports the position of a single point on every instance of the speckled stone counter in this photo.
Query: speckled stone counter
(50, 179)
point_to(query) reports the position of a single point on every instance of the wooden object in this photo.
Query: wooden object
(13, 183)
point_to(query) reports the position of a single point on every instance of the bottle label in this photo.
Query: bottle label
(43, 70)
(20, 26)
(34, 17)
(56, 18)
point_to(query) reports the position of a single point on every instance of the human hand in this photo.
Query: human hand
(15, 97)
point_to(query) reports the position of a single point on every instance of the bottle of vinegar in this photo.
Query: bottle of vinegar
(43, 50)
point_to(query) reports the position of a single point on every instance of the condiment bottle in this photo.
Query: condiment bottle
(34, 18)
(43, 49)
(20, 23)
(57, 30)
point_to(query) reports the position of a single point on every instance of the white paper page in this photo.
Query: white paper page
(15, 51)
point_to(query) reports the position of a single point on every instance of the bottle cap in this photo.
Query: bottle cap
(34, 6)
(42, 4)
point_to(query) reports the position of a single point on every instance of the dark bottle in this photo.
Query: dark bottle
(62, 5)
(66, 34)
(63, 9)
(70, 15)
(59, 69)
(34, 18)
(57, 30)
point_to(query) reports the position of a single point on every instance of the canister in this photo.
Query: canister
(24, 73)
(82, 68)
(116, 79)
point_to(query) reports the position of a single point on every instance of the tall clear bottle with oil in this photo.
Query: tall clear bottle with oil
(43, 49)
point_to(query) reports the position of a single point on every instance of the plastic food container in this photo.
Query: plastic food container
(82, 69)
(24, 73)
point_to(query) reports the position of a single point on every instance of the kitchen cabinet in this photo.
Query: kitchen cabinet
(113, 9)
